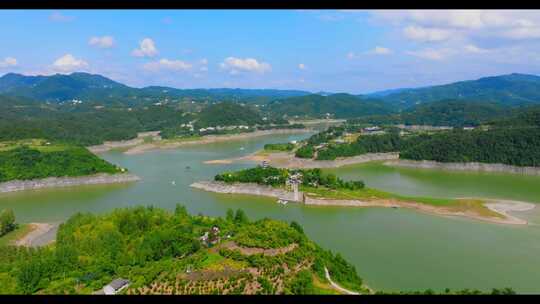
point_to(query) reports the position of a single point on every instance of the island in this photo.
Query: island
(314, 187)
(37, 163)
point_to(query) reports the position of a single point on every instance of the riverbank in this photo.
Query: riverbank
(41, 234)
(123, 144)
(490, 210)
(288, 160)
(472, 166)
(207, 139)
(53, 182)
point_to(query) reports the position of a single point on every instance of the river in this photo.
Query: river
(392, 249)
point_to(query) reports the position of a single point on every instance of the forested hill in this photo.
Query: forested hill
(454, 113)
(163, 252)
(228, 114)
(511, 89)
(96, 88)
(338, 105)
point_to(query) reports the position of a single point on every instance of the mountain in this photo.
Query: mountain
(454, 113)
(228, 114)
(96, 88)
(338, 105)
(512, 89)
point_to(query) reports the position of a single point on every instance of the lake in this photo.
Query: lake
(392, 249)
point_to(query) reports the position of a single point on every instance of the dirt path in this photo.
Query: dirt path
(264, 251)
(336, 286)
(41, 235)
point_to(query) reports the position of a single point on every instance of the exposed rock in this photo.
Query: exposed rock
(50, 182)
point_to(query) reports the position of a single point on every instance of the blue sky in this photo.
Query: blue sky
(316, 50)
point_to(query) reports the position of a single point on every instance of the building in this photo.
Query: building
(210, 238)
(264, 164)
(115, 286)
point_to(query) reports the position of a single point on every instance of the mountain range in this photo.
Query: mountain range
(509, 90)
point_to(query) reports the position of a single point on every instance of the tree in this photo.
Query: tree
(240, 217)
(297, 227)
(7, 221)
(230, 215)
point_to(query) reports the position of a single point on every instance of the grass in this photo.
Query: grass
(457, 205)
(323, 288)
(216, 262)
(39, 144)
(19, 232)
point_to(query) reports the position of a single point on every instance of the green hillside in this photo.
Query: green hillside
(162, 252)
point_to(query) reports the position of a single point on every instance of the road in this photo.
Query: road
(336, 286)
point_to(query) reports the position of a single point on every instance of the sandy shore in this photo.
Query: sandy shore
(288, 160)
(122, 144)
(53, 182)
(208, 139)
(41, 235)
(472, 166)
(500, 207)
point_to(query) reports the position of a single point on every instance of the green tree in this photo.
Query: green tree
(7, 221)
(240, 217)
(230, 215)
(297, 227)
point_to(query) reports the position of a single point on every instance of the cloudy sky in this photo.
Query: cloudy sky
(317, 50)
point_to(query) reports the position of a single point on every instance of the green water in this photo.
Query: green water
(393, 249)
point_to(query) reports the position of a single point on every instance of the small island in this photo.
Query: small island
(35, 164)
(313, 187)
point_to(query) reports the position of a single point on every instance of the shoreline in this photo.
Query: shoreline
(471, 166)
(42, 234)
(500, 207)
(288, 160)
(208, 139)
(128, 143)
(59, 182)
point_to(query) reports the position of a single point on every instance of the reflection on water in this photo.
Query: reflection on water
(393, 249)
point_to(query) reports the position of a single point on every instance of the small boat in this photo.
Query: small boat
(241, 148)
(395, 207)
(173, 183)
(281, 201)
(188, 167)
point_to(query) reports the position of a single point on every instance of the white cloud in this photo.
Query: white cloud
(379, 50)
(525, 32)
(351, 55)
(59, 17)
(104, 42)
(166, 64)
(431, 54)
(203, 69)
(471, 48)
(146, 48)
(68, 63)
(203, 61)
(420, 33)
(302, 66)
(235, 65)
(8, 62)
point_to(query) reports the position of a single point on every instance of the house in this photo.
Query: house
(468, 128)
(115, 286)
(339, 141)
(264, 164)
(210, 238)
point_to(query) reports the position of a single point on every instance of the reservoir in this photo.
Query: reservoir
(392, 249)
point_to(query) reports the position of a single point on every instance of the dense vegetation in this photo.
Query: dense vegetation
(160, 252)
(96, 88)
(7, 221)
(228, 114)
(278, 177)
(511, 145)
(279, 147)
(454, 113)
(337, 105)
(512, 89)
(25, 163)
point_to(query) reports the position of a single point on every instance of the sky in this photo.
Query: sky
(354, 51)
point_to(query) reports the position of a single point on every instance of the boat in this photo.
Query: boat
(282, 201)
(241, 148)
(188, 167)
(173, 183)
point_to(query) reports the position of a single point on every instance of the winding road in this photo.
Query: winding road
(336, 286)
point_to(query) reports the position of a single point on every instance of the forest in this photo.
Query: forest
(25, 163)
(161, 252)
(277, 177)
